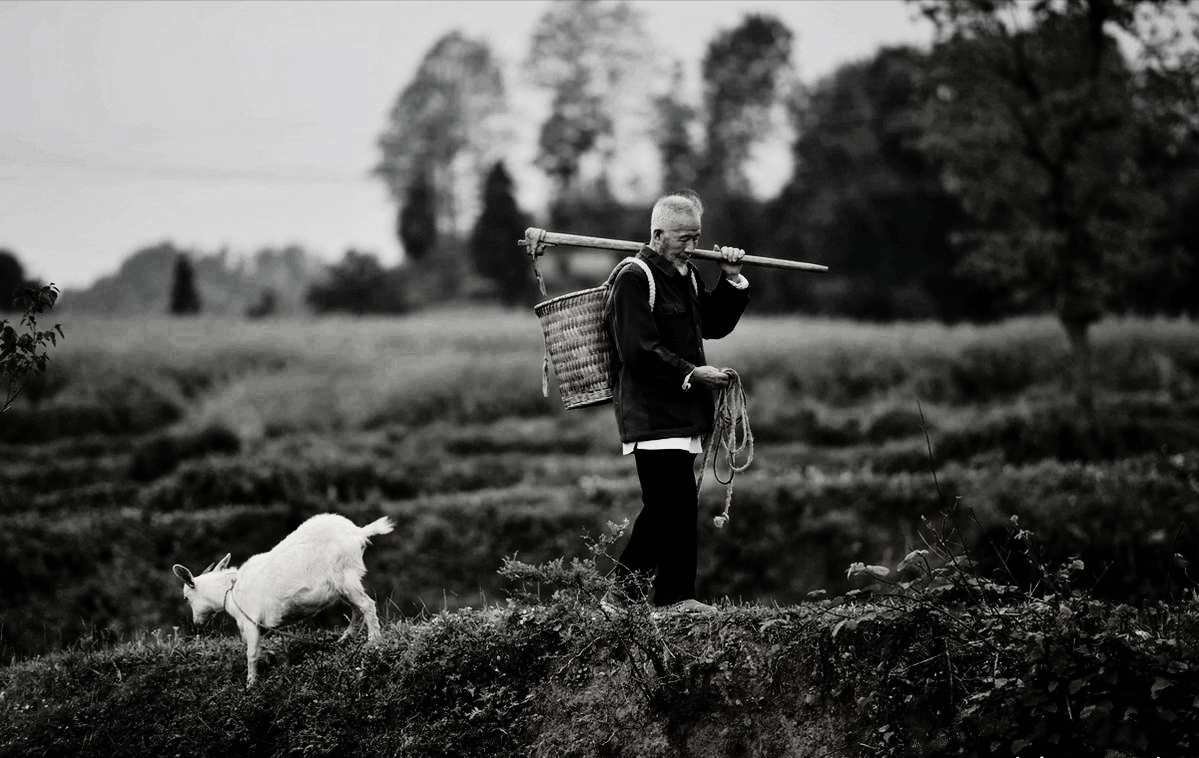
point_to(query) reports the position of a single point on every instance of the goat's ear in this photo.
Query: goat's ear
(224, 562)
(184, 575)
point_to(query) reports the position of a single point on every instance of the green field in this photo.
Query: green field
(1053, 604)
(177, 440)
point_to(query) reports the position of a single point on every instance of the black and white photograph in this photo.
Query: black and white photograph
(599, 378)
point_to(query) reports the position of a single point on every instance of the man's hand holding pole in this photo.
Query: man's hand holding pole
(731, 265)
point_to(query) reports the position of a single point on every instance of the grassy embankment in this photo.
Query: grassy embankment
(182, 440)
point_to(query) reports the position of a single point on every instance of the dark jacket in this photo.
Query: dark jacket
(656, 351)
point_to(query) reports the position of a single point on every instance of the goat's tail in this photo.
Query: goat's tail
(378, 526)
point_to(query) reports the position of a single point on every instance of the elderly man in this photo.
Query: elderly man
(663, 392)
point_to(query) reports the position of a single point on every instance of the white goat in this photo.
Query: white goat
(314, 567)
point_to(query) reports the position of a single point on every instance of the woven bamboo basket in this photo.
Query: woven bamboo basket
(577, 344)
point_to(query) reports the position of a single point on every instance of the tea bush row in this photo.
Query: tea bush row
(55, 472)
(844, 364)
(486, 366)
(198, 469)
(789, 535)
(1023, 432)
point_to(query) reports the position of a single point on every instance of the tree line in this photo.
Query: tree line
(1039, 157)
(1028, 162)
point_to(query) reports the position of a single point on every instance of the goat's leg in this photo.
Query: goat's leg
(355, 624)
(357, 597)
(252, 637)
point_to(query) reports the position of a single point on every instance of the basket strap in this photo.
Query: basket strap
(653, 293)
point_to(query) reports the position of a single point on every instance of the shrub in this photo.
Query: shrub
(160, 455)
(138, 410)
(25, 349)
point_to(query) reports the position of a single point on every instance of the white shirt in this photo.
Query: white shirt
(690, 444)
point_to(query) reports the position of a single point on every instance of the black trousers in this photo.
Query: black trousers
(665, 535)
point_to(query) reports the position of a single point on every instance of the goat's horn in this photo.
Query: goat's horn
(205, 571)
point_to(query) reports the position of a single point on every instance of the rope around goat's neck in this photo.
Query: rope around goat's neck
(230, 598)
(730, 430)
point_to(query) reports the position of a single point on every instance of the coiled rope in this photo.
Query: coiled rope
(731, 433)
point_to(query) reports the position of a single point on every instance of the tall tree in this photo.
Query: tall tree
(448, 124)
(674, 120)
(493, 241)
(747, 76)
(185, 297)
(866, 202)
(1170, 289)
(597, 61)
(1169, 98)
(576, 124)
(417, 219)
(1035, 124)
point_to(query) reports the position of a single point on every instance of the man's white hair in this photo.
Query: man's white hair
(673, 205)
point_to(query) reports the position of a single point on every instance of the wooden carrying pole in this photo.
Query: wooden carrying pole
(537, 239)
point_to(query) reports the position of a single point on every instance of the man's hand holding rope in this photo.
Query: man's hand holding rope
(711, 377)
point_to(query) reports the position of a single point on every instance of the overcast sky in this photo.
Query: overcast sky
(247, 124)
